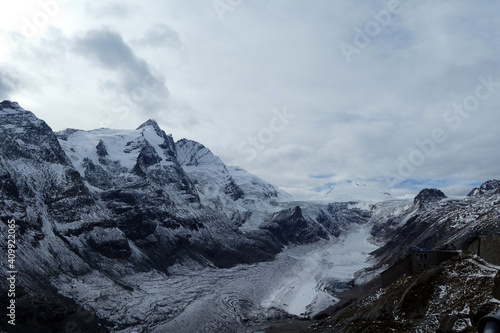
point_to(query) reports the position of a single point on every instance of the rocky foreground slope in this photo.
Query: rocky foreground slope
(451, 297)
(436, 221)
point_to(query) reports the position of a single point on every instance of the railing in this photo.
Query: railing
(417, 248)
(489, 324)
(432, 249)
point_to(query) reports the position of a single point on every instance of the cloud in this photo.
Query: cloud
(109, 49)
(135, 83)
(8, 82)
(110, 9)
(353, 120)
(159, 35)
(322, 176)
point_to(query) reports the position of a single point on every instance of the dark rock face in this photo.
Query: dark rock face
(63, 135)
(290, 226)
(9, 105)
(110, 242)
(96, 176)
(342, 214)
(234, 191)
(43, 310)
(147, 157)
(101, 149)
(427, 196)
(29, 138)
(8, 187)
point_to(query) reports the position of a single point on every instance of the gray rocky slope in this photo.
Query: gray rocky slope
(451, 297)
(96, 208)
(435, 221)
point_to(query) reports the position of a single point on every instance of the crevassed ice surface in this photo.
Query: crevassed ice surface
(224, 300)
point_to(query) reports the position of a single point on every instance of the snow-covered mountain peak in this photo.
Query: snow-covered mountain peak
(122, 147)
(19, 117)
(153, 133)
(150, 122)
(486, 187)
(352, 191)
(207, 170)
(6, 105)
(29, 137)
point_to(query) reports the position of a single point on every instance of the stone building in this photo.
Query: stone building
(391, 274)
(424, 258)
(486, 247)
(418, 260)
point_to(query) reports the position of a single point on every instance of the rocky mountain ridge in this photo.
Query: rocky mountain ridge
(102, 212)
(117, 203)
(451, 297)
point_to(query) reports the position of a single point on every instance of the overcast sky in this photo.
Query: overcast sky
(303, 93)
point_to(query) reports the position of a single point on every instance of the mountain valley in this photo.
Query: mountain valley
(131, 231)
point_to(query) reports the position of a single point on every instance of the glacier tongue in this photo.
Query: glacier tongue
(300, 282)
(306, 288)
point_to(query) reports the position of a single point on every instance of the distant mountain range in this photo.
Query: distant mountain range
(352, 191)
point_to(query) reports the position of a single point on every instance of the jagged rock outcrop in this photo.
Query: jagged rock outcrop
(290, 226)
(428, 195)
(487, 187)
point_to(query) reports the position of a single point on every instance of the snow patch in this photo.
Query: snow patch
(352, 191)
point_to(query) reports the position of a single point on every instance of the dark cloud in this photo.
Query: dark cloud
(8, 82)
(109, 49)
(160, 35)
(136, 81)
